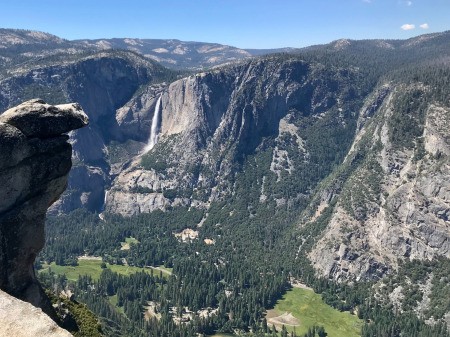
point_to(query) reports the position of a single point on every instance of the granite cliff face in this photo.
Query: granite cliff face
(394, 204)
(211, 121)
(35, 160)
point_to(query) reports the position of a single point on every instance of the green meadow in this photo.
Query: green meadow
(128, 241)
(308, 309)
(92, 268)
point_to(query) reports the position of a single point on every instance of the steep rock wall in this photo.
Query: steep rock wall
(35, 160)
(394, 203)
(211, 121)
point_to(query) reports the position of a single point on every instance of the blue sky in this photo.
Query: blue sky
(241, 23)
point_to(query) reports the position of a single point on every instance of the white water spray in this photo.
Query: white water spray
(154, 131)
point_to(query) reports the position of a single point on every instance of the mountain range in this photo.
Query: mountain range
(19, 45)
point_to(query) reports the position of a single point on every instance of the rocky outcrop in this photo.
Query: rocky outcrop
(35, 160)
(21, 319)
(395, 201)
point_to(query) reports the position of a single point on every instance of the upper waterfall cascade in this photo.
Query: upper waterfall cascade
(154, 131)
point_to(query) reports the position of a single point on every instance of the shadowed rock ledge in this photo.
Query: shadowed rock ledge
(35, 160)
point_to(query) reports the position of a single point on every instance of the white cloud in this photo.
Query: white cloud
(424, 26)
(408, 3)
(408, 26)
(367, 1)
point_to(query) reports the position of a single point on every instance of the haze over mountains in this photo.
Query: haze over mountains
(328, 163)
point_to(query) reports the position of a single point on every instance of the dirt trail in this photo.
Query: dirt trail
(284, 319)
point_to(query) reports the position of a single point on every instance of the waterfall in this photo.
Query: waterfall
(100, 215)
(154, 131)
(104, 200)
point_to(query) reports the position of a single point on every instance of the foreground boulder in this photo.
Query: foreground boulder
(35, 160)
(21, 319)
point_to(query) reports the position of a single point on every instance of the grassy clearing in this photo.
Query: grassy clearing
(308, 308)
(90, 267)
(113, 300)
(166, 272)
(128, 241)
